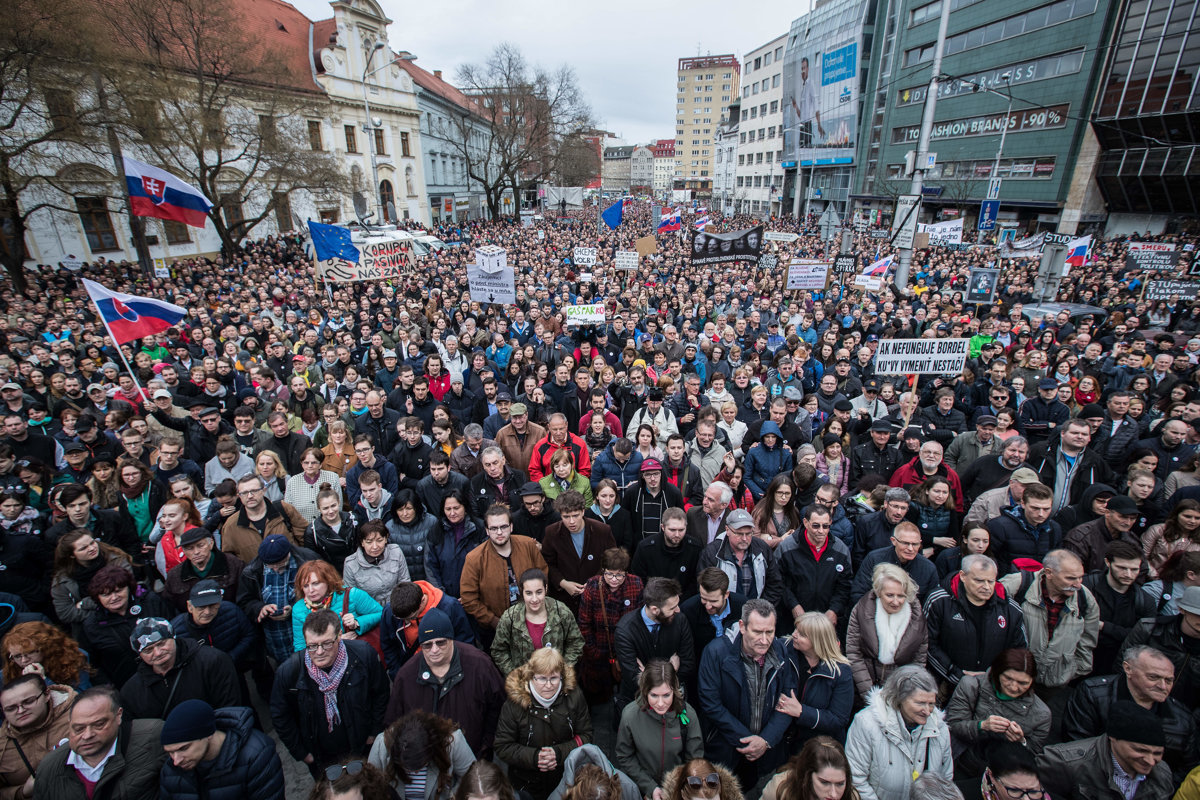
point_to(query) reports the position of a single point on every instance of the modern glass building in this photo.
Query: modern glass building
(1147, 117)
(1028, 68)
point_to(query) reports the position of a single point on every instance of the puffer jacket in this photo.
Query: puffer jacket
(33, 743)
(377, 580)
(526, 726)
(332, 547)
(973, 701)
(1013, 537)
(649, 745)
(1068, 653)
(246, 766)
(763, 463)
(513, 646)
(200, 673)
(132, 773)
(624, 475)
(413, 540)
(862, 644)
(884, 755)
(230, 631)
(956, 643)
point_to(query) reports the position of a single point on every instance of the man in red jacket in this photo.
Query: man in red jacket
(927, 464)
(558, 437)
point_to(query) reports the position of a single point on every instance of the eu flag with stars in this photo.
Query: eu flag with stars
(332, 241)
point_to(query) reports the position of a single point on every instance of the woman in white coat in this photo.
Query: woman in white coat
(899, 736)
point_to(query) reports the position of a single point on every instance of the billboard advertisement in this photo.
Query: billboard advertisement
(820, 103)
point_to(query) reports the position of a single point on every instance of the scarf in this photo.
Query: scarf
(327, 682)
(545, 702)
(889, 628)
(133, 492)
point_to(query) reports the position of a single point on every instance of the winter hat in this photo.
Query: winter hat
(1091, 411)
(189, 721)
(148, 631)
(1129, 722)
(435, 624)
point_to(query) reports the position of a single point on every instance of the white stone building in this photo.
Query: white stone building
(759, 178)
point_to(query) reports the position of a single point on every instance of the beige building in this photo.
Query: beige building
(759, 177)
(705, 85)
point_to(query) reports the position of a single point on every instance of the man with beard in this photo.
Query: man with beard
(656, 630)
(990, 471)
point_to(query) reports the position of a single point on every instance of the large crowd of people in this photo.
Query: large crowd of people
(432, 547)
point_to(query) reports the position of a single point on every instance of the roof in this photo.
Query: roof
(323, 31)
(432, 83)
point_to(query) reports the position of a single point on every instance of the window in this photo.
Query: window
(314, 135)
(267, 132)
(329, 215)
(775, 81)
(766, 84)
(774, 106)
(351, 140)
(231, 209)
(766, 59)
(742, 140)
(60, 104)
(758, 63)
(724, 98)
(177, 232)
(754, 113)
(97, 224)
(741, 160)
(771, 132)
(745, 114)
(740, 180)
(387, 200)
(763, 109)
(758, 158)
(779, 52)
(752, 136)
(283, 211)
(761, 131)
(379, 149)
(404, 145)
(754, 89)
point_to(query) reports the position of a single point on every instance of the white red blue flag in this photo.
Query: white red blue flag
(1077, 251)
(701, 222)
(669, 222)
(154, 192)
(128, 316)
(879, 268)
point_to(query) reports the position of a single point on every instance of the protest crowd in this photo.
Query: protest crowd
(431, 547)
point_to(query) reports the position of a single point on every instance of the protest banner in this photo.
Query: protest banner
(490, 278)
(377, 261)
(845, 263)
(768, 262)
(921, 356)
(1152, 255)
(160, 268)
(726, 248)
(584, 256)
(1165, 290)
(981, 287)
(807, 274)
(780, 236)
(626, 259)
(943, 233)
(592, 314)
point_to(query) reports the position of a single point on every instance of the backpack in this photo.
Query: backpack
(1027, 581)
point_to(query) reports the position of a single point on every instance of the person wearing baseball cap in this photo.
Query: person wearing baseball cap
(202, 560)
(649, 498)
(195, 738)
(1126, 762)
(989, 504)
(173, 671)
(213, 621)
(518, 438)
(740, 548)
(1089, 540)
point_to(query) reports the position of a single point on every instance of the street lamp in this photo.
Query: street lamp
(373, 124)
(1007, 78)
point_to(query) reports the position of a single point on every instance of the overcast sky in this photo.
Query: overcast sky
(624, 52)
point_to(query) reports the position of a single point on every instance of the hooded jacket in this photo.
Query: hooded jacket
(957, 640)
(673, 784)
(35, 743)
(862, 644)
(246, 766)
(1089, 540)
(1067, 654)
(764, 463)
(526, 726)
(399, 642)
(884, 755)
(1076, 514)
(376, 579)
(513, 645)
(607, 466)
(334, 547)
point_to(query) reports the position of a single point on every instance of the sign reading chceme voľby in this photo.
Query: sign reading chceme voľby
(921, 356)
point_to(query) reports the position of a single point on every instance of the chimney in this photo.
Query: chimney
(437, 73)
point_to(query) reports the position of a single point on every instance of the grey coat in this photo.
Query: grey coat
(973, 701)
(1082, 770)
(377, 580)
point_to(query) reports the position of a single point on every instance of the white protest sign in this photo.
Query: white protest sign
(807, 274)
(585, 315)
(780, 236)
(943, 233)
(490, 278)
(584, 256)
(379, 260)
(541, 234)
(73, 262)
(626, 259)
(918, 356)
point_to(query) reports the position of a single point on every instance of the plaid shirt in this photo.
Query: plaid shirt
(1053, 610)
(278, 589)
(596, 636)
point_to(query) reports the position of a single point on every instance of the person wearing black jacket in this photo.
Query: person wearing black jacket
(877, 456)
(379, 422)
(1043, 414)
(671, 553)
(496, 482)
(970, 621)
(1121, 602)
(649, 500)
(233, 762)
(411, 454)
(712, 611)
(655, 630)
(289, 446)
(174, 670)
(816, 571)
(201, 431)
(312, 733)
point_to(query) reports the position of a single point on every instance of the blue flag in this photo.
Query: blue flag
(332, 241)
(612, 214)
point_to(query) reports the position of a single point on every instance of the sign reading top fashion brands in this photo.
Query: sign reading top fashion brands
(1018, 121)
(725, 248)
(1152, 255)
(1165, 290)
(921, 356)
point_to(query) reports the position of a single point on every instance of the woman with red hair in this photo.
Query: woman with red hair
(38, 647)
(319, 585)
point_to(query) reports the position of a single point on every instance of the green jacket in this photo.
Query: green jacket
(512, 646)
(131, 774)
(650, 745)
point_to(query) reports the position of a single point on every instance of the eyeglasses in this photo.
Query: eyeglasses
(22, 705)
(320, 647)
(435, 643)
(614, 575)
(349, 768)
(33, 656)
(900, 543)
(1016, 792)
(546, 680)
(712, 780)
(250, 492)
(498, 528)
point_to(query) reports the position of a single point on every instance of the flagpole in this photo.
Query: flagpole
(120, 352)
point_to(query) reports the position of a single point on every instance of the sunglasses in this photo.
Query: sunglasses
(349, 768)
(712, 780)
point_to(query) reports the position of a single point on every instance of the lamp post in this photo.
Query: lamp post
(370, 126)
(1007, 78)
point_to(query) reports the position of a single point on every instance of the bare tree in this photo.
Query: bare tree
(45, 122)
(578, 162)
(529, 113)
(219, 109)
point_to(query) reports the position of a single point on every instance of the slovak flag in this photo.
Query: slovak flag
(1077, 251)
(669, 222)
(879, 268)
(129, 317)
(154, 192)
(701, 223)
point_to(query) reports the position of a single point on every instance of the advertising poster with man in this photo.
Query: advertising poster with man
(820, 92)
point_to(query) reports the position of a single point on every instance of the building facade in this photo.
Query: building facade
(1147, 118)
(641, 170)
(1027, 67)
(759, 174)
(615, 170)
(725, 147)
(705, 85)
(664, 165)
